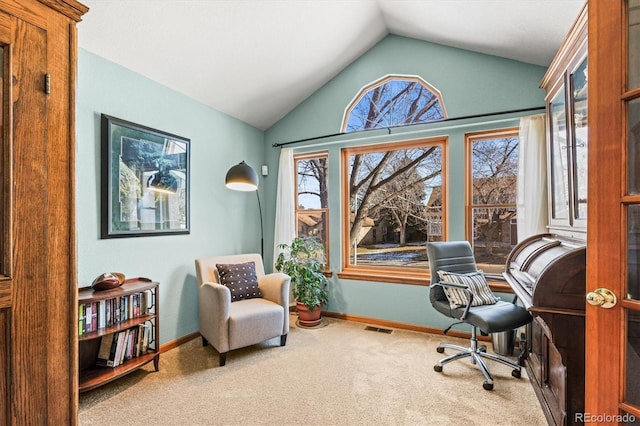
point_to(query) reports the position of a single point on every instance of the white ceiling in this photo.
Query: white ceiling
(256, 60)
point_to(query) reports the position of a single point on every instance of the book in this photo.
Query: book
(107, 351)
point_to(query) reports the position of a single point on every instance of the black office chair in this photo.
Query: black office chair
(457, 257)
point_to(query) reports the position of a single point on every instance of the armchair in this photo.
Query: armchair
(228, 325)
(457, 257)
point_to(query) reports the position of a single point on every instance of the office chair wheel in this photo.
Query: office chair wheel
(440, 349)
(482, 348)
(437, 368)
(516, 374)
(487, 386)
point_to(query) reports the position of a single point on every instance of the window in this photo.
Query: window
(312, 207)
(393, 203)
(393, 101)
(491, 196)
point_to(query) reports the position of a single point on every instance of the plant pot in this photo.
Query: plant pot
(307, 318)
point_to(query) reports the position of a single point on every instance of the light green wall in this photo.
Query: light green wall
(222, 221)
(470, 83)
(226, 222)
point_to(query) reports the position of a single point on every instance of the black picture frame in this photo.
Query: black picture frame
(144, 180)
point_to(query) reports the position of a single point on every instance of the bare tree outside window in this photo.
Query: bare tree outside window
(393, 195)
(392, 102)
(312, 197)
(492, 207)
(395, 192)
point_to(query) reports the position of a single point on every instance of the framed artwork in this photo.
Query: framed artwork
(145, 181)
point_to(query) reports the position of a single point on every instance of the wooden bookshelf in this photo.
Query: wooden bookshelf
(91, 375)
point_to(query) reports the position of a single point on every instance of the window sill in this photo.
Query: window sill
(386, 275)
(403, 276)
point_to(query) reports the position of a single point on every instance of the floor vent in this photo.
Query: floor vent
(378, 329)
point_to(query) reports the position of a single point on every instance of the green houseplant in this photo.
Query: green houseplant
(304, 261)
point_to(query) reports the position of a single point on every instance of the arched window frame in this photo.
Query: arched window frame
(382, 81)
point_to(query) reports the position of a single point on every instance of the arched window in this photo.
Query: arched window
(393, 101)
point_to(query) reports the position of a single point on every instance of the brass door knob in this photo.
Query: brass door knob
(602, 297)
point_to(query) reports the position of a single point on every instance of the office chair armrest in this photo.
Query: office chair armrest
(466, 291)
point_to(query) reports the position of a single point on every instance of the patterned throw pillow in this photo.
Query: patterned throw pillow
(240, 279)
(475, 282)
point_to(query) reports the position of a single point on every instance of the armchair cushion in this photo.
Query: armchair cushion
(475, 282)
(240, 279)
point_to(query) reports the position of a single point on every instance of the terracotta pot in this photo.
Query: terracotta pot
(307, 318)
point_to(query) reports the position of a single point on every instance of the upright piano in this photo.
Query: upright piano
(548, 274)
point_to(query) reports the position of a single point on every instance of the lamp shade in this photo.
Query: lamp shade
(242, 177)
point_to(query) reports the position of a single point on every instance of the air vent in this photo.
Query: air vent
(378, 329)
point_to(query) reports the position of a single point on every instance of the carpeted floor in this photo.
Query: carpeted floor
(339, 374)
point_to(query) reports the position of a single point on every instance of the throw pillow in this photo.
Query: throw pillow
(475, 282)
(240, 279)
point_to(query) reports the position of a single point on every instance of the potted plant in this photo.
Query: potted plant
(304, 261)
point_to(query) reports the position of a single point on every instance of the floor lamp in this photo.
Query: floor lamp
(242, 177)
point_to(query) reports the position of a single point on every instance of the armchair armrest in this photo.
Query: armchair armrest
(275, 287)
(466, 291)
(215, 302)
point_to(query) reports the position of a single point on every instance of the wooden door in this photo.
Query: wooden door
(38, 290)
(613, 241)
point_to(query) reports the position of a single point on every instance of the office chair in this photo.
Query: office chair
(457, 257)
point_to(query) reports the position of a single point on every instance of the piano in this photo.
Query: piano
(548, 274)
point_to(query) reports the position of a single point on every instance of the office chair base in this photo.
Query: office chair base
(476, 353)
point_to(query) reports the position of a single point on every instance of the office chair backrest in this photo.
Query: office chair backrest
(450, 256)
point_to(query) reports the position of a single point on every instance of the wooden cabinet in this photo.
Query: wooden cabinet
(38, 288)
(566, 84)
(124, 311)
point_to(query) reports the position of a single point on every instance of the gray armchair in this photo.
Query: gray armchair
(228, 326)
(457, 257)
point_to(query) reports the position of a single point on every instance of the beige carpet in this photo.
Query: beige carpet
(340, 374)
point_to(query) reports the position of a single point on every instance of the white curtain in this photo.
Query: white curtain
(285, 226)
(531, 195)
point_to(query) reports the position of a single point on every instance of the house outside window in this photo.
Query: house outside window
(492, 172)
(393, 203)
(312, 196)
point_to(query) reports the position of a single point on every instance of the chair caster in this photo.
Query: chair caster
(440, 349)
(487, 386)
(516, 374)
(438, 368)
(482, 348)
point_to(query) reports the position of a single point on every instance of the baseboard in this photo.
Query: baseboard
(402, 325)
(179, 341)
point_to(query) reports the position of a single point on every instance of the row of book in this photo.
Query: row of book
(121, 346)
(106, 313)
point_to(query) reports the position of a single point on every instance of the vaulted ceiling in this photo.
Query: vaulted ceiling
(256, 60)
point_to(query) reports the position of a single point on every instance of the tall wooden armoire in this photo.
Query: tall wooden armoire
(38, 361)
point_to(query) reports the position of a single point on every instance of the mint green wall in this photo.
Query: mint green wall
(226, 222)
(222, 221)
(470, 83)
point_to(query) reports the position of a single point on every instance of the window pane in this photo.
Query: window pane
(580, 115)
(312, 183)
(559, 159)
(634, 44)
(633, 358)
(495, 171)
(394, 103)
(494, 235)
(633, 252)
(313, 224)
(633, 150)
(395, 202)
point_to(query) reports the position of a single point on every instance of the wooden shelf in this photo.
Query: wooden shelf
(91, 375)
(95, 376)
